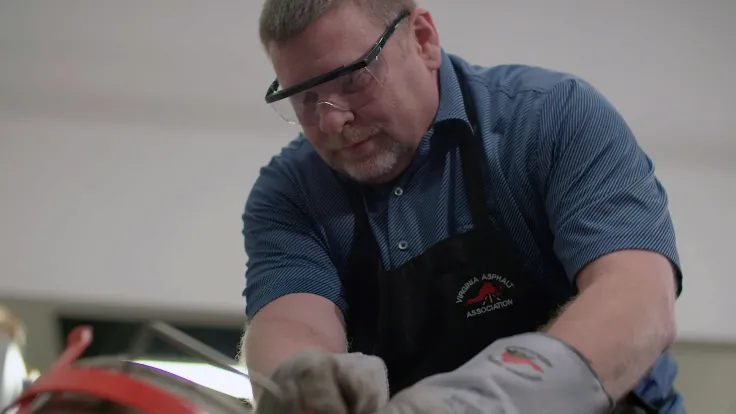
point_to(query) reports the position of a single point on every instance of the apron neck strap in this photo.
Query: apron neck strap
(472, 156)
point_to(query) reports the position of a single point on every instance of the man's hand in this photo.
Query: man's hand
(326, 383)
(524, 374)
(287, 325)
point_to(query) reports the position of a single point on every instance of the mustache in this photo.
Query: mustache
(354, 135)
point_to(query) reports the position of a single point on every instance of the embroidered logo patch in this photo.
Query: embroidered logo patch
(484, 294)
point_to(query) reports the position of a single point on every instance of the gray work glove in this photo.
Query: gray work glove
(531, 373)
(317, 382)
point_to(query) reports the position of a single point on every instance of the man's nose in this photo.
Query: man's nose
(332, 117)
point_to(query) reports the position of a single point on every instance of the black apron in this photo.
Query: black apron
(441, 308)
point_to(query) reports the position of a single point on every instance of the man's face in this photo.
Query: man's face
(369, 135)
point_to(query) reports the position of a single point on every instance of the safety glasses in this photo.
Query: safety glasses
(348, 88)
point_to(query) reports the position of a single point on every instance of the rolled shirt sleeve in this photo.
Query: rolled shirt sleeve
(600, 191)
(284, 254)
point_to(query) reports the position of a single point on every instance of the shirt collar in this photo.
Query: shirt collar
(451, 98)
(451, 108)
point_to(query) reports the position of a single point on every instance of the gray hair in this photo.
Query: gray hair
(282, 19)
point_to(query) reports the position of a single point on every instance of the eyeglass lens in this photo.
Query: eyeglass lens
(349, 92)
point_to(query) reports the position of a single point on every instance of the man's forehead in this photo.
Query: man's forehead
(332, 41)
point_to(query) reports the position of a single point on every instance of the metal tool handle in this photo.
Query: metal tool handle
(186, 343)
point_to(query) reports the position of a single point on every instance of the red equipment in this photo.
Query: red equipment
(117, 385)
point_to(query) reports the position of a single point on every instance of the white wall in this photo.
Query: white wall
(131, 132)
(125, 213)
(702, 198)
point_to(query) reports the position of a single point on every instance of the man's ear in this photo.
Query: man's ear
(425, 36)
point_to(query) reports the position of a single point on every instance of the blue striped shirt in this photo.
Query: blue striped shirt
(568, 182)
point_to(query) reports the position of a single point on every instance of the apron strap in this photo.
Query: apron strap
(473, 181)
(365, 244)
(362, 282)
(472, 159)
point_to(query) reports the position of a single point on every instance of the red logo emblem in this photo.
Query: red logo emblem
(487, 291)
(519, 358)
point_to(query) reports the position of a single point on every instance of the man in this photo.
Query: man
(495, 235)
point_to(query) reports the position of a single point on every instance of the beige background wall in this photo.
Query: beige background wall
(707, 377)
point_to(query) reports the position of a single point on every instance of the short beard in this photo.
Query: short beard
(373, 169)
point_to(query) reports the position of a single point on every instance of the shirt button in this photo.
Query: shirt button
(398, 191)
(403, 245)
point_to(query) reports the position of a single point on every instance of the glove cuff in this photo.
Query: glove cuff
(527, 373)
(537, 362)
